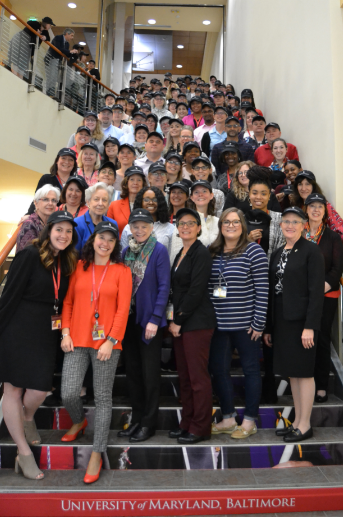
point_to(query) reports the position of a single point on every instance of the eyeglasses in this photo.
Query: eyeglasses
(150, 200)
(204, 168)
(110, 173)
(158, 173)
(188, 224)
(185, 137)
(231, 126)
(291, 223)
(234, 223)
(243, 173)
(48, 200)
(173, 163)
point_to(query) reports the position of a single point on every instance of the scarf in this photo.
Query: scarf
(317, 236)
(137, 258)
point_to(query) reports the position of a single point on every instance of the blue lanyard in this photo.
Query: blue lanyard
(221, 269)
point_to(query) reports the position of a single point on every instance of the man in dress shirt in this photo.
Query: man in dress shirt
(52, 60)
(129, 137)
(207, 112)
(105, 117)
(154, 148)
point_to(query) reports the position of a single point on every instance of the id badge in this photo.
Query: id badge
(219, 291)
(98, 332)
(170, 311)
(56, 322)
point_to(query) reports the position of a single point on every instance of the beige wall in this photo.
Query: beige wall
(290, 54)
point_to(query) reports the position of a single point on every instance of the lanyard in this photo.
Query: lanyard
(95, 294)
(60, 181)
(57, 283)
(221, 269)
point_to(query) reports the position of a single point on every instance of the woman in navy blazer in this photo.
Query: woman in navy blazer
(149, 263)
(98, 199)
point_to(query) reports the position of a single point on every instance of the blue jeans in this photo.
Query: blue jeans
(222, 345)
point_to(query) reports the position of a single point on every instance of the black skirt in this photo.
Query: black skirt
(291, 359)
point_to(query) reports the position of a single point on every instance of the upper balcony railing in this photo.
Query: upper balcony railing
(23, 51)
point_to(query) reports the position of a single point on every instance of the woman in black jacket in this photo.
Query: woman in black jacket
(192, 327)
(331, 247)
(296, 295)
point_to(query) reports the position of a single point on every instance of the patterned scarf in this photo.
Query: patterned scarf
(316, 236)
(137, 258)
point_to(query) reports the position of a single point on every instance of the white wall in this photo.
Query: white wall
(283, 51)
(218, 58)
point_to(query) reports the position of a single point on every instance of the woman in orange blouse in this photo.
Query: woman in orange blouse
(94, 318)
(134, 180)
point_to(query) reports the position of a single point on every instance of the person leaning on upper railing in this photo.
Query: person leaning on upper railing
(21, 49)
(45, 201)
(52, 59)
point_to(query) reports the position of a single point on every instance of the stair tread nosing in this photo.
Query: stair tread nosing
(264, 437)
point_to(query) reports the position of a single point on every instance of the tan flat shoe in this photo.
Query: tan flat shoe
(221, 430)
(241, 433)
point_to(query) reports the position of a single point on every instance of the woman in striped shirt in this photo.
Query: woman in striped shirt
(238, 289)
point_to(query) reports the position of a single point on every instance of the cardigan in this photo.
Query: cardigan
(246, 280)
(120, 212)
(85, 228)
(114, 304)
(193, 309)
(30, 229)
(153, 293)
(303, 285)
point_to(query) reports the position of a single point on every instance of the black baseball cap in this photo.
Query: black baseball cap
(155, 133)
(134, 170)
(146, 106)
(190, 145)
(158, 94)
(246, 105)
(246, 93)
(172, 101)
(157, 166)
(47, 19)
(182, 95)
(83, 128)
(108, 165)
(229, 147)
(201, 183)
(153, 115)
(181, 104)
(294, 210)
(66, 151)
(207, 105)
(258, 117)
(129, 146)
(165, 117)
(195, 99)
(171, 156)
(168, 74)
(111, 140)
(218, 93)
(287, 189)
(217, 108)
(140, 214)
(304, 174)
(142, 126)
(140, 113)
(79, 180)
(106, 226)
(117, 107)
(188, 211)
(272, 124)
(147, 95)
(90, 114)
(60, 216)
(180, 185)
(92, 146)
(110, 95)
(104, 108)
(313, 198)
(177, 120)
(202, 159)
(231, 118)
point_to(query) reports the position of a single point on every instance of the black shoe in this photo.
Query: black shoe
(170, 366)
(298, 436)
(190, 438)
(176, 433)
(284, 431)
(142, 434)
(126, 433)
(320, 399)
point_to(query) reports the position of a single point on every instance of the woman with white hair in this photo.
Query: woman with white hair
(88, 162)
(159, 106)
(98, 198)
(45, 201)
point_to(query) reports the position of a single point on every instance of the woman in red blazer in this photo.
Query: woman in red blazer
(134, 180)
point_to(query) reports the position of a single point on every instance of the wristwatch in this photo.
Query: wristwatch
(114, 341)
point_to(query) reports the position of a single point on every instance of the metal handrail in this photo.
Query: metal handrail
(8, 246)
(54, 48)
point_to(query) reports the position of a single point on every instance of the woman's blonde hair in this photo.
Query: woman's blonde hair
(97, 162)
(97, 133)
(237, 188)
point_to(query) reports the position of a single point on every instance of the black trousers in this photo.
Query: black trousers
(323, 353)
(143, 373)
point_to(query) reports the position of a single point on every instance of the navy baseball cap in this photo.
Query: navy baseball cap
(140, 214)
(313, 198)
(106, 226)
(61, 216)
(294, 210)
(134, 170)
(201, 183)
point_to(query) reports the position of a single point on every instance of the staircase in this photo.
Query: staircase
(160, 477)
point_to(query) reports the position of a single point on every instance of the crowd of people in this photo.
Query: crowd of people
(175, 212)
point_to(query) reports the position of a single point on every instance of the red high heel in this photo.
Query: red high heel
(91, 479)
(72, 437)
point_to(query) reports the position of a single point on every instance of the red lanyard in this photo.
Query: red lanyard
(59, 181)
(57, 284)
(95, 294)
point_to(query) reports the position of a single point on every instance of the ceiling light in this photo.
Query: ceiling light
(180, 46)
(178, 66)
(82, 43)
(72, 5)
(206, 22)
(12, 17)
(152, 22)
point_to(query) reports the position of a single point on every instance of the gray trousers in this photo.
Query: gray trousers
(75, 365)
